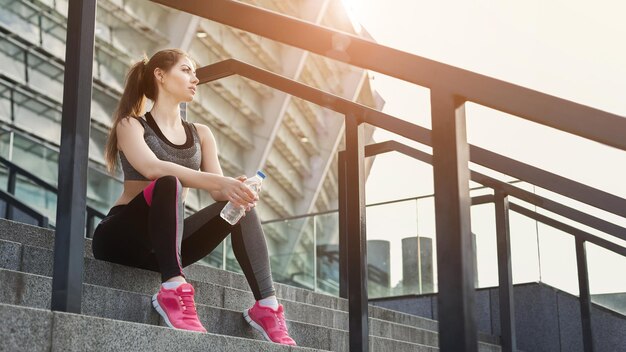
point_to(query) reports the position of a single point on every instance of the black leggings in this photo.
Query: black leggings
(150, 232)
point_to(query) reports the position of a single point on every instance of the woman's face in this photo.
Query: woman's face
(180, 81)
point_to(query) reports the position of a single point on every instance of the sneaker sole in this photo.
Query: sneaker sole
(256, 326)
(157, 307)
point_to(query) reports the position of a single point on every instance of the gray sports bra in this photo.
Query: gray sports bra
(188, 154)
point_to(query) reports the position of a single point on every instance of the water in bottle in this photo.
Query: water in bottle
(232, 213)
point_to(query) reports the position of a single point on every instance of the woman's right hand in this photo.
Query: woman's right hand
(238, 193)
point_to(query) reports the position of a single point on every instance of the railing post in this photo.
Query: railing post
(355, 226)
(457, 324)
(585, 295)
(67, 279)
(90, 224)
(343, 233)
(507, 303)
(11, 189)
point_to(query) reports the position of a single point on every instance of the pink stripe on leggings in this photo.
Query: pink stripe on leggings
(147, 194)
(176, 233)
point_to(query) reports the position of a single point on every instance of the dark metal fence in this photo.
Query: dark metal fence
(13, 171)
(354, 213)
(450, 87)
(502, 190)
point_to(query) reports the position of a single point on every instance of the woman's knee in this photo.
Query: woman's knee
(169, 180)
(168, 184)
(251, 215)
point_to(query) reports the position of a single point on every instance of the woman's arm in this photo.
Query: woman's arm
(211, 163)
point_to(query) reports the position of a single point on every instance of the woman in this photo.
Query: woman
(162, 156)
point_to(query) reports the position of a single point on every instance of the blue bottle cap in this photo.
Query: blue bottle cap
(261, 174)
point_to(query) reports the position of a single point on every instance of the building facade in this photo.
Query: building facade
(293, 141)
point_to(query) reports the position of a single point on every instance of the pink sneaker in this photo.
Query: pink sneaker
(177, 308)
(271, 323)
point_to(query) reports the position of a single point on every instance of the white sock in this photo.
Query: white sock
(269, 302)
(172, 284)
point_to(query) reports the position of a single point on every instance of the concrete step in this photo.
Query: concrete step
(215, 305)
(27, 329)
(39, 261)
(33, 291)
(216, 289)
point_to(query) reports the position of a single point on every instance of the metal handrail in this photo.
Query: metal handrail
(529, 104)
(532, 198)
(528, 173)
(11, 202)
(296, 217)
(541, 178)
(502, 207)
(15, 170)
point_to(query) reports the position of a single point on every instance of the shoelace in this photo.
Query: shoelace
(281, 321)
(189, 306)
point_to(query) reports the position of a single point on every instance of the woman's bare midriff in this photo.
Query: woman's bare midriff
(133, 188)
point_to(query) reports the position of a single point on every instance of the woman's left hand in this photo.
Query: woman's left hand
(243, 178)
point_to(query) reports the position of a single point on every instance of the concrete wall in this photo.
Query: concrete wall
(547, 319)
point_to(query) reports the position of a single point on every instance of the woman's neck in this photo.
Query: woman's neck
(167, 114)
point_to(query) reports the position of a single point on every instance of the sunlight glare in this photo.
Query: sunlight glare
(354, 9)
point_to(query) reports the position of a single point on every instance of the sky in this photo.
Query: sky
(569, 49)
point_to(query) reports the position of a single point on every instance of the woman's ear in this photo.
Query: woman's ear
(158, 74)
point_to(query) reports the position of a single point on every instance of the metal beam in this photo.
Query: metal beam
(578, 233)
(541, 178)
(529, 104)
(585, 295)
(356, 235)
(545, 203)
(457, 324)
(67, 278)
(508, 339)
(343, 227)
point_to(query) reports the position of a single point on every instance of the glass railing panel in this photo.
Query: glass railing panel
(557, 259)
(4, 178)
(292, 261)
(387, 227)
(37, 198)
(45, 77)
(5, 103)
(525, 263)
(607, 282)
(37, 118)
(32, 155)
(53, 35)
(485, 245)
(102, 190)
(422, 276)
(9, 65)
(12, 16)
(5, 142)
(327, 253)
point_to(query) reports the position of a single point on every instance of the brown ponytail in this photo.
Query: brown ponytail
(139, 85)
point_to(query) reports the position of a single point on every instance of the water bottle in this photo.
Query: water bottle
(232, 213)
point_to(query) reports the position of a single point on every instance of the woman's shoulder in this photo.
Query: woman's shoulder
(135, 121)
(204, 133)
(203, 130)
